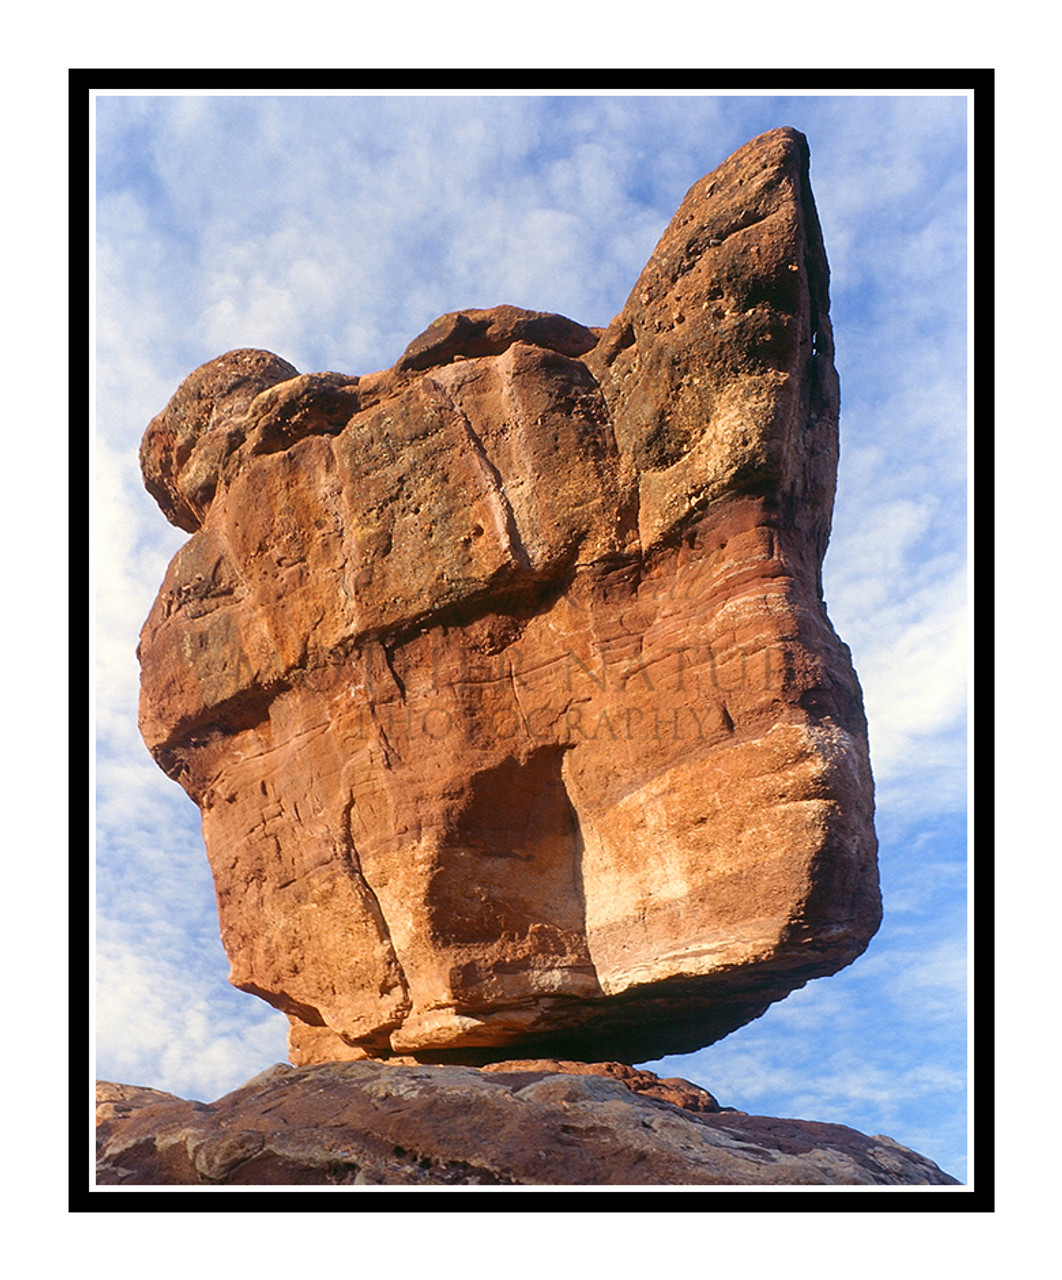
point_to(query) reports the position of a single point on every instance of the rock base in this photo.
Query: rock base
(521, 1123)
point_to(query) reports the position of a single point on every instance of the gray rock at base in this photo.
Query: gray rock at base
(372, 1124)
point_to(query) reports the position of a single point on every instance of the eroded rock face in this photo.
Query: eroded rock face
(503, 679)
(521, 1124)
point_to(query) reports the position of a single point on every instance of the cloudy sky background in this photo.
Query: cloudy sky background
(332, 230)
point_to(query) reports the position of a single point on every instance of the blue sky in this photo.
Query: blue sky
(334, 229)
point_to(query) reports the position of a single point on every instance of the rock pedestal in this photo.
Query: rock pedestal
(364, 1124)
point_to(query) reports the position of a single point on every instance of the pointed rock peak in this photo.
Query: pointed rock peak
(718, 372)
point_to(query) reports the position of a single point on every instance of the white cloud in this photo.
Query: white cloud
(184, 1041)
(903, 615)
(877, 1047)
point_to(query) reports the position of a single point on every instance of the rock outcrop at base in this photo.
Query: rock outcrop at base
(359, 1124)
(503, 677)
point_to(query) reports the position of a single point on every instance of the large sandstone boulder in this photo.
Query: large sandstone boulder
(503, 678)
(357, 1124)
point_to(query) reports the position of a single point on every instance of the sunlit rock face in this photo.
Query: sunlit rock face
(503, 679)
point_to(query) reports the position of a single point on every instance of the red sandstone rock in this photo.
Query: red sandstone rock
(682, 1093)
(503, 678)
(488, 333)
(359, 1124)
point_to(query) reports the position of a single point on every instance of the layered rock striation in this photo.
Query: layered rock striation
(503, 678)
(363, 1124)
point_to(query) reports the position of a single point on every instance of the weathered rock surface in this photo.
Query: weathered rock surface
(503, 678)
(519, 1124)
(115, 1101)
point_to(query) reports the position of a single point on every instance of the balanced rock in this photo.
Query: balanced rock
(358, 1124)
(503, 678)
